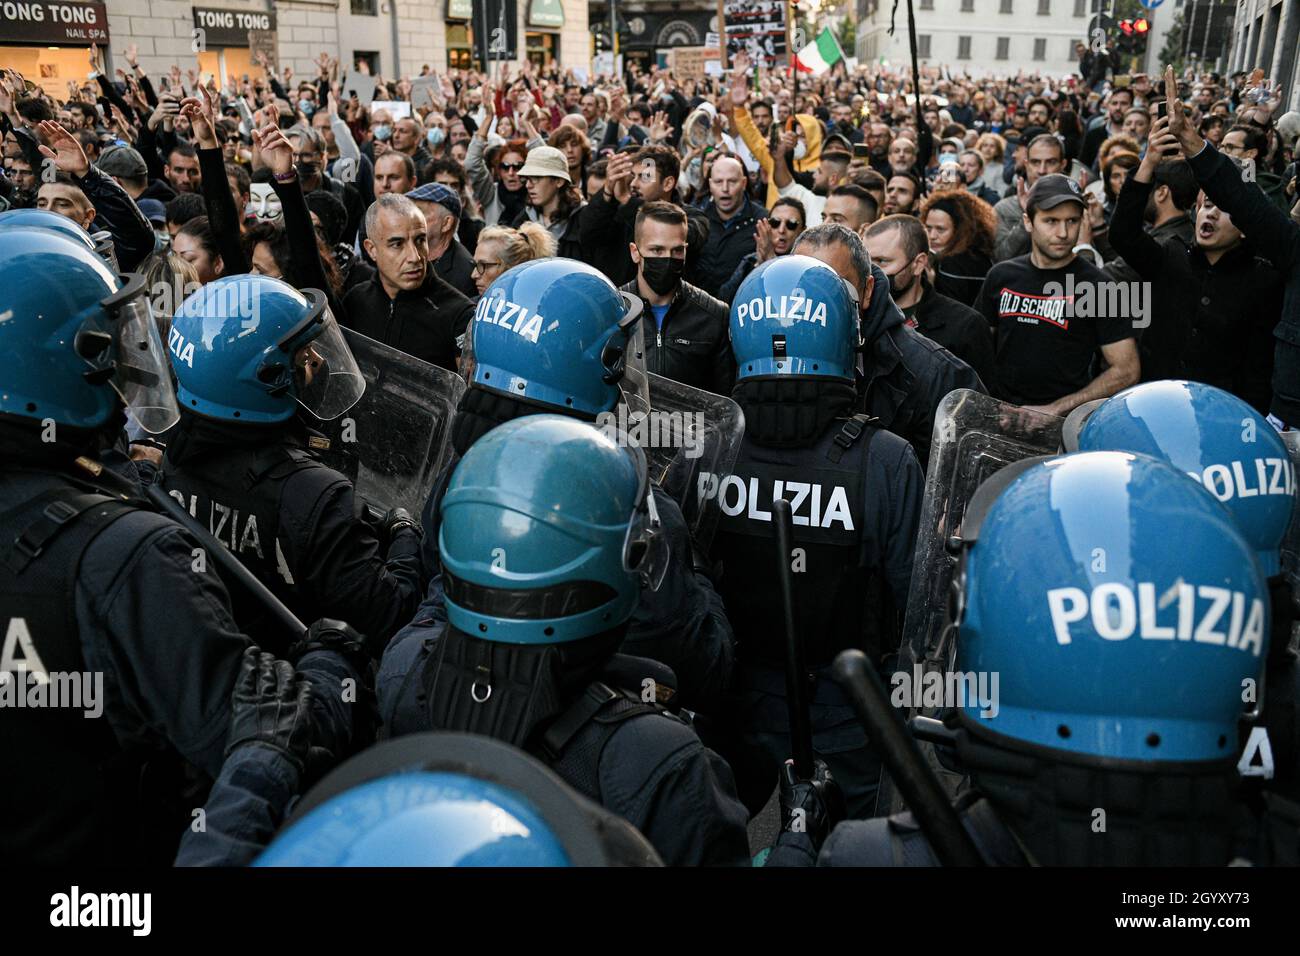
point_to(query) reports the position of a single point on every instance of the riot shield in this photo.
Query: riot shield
(393, 443)
(691, 439)
(975, 436)
(1291, 543)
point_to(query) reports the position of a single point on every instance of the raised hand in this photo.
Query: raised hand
(660, 127)
(63, 148)
(200, 111)
(131, 54)
(275, 149)
(763, 241)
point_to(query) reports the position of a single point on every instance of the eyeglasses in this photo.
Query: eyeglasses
(485, 266)
(512, 167)
(776, 223)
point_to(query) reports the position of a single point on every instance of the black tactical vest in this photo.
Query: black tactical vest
(66, 788)
(837, 594)
(237, 497)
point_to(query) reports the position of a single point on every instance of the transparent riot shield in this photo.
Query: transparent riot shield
(1291, 543)
(393, 443)
(975, 436)
(691, 439)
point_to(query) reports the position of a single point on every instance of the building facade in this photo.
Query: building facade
(1266, 34)
(982, 36)
(647, 28)
(48, 40)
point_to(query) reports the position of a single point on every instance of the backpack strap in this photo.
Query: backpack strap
(61, 510)
(852, 429)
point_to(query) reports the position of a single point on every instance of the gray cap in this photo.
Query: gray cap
(122, 161)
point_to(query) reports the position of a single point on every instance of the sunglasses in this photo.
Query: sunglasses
(512, 167)
(776, 223)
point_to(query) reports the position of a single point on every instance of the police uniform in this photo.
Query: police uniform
(94, 584)
(634, 757)
(856, 499)
(855, 494)
(548, 536)
(297, 525)
(251, 355)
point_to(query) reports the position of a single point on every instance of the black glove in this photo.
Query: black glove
(811, 806)
(330, 635)
(397, 519)
(271, 707)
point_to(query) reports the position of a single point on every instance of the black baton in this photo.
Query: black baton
(796, 680)
(924, 794)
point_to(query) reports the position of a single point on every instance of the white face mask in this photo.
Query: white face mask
(800, 150)
(263, 203)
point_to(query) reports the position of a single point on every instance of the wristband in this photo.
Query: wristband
(286, 177)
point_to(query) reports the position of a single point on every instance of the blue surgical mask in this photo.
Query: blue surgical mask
(383, 131)
(435, 137)
(307, 106)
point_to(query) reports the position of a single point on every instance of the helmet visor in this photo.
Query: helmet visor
(645, 546)
(634, 382)
(328, 377)
(141, 373)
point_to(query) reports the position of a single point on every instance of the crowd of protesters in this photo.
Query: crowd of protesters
(976, 206)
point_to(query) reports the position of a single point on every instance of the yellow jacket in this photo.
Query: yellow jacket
(812, 131)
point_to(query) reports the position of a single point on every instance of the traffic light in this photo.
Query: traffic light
(1141, 33)
(1125, 41)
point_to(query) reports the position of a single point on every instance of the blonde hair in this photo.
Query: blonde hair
(530, 241)
(996, 140)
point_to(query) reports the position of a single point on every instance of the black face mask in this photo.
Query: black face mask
(308, 171)
(662, 273)
(895, 290)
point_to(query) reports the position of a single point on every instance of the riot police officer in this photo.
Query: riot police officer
(105, 610)
(249, 351)
(1222, 442)
(446, 799)
(548, 534)
(554, 335)
(855, 493)
(1124, 614)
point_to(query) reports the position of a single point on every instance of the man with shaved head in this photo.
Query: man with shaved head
(732, 217)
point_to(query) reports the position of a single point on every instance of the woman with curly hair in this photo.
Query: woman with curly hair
(961, 228)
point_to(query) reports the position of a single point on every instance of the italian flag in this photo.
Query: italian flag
(820, 55)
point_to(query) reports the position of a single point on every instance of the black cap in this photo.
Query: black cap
(1052, 190)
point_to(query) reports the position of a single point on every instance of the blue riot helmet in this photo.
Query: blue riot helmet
(556, 332)
(450, 799)
(794, 315)
(251, 348)
(100, 243)
(1118, 604)
(74, 334)
(1215, 437)
(549, 531)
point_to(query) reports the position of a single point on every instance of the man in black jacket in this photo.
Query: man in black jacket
(406, 305)
(1271, 229)
(1170, 212)
(900, 246)
(732, 218)
(906, 374)
(608, 220)
(686, 328)
(1214, 305)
